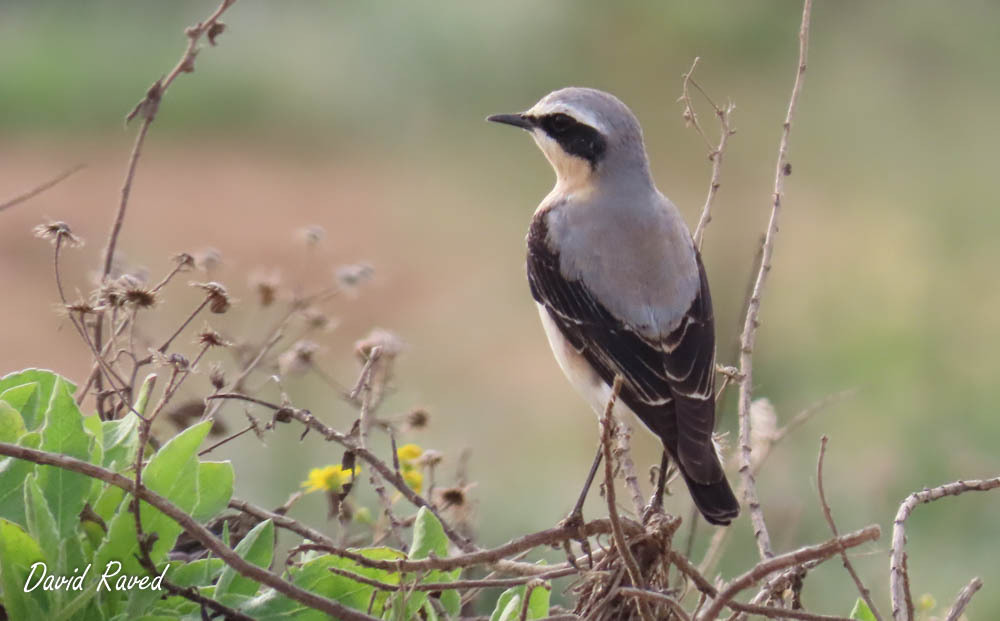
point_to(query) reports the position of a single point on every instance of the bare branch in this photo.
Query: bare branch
(715, 152)
(607, 437)
(898, 578)
(963, 599)
(828, 514)
(17, 200)
(777, 563)
(749, 334)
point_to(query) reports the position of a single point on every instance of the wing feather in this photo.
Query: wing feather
(668, 383)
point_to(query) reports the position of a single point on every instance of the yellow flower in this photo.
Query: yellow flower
(926, 602)
(409, 452)
(329, 478)
(414, 479)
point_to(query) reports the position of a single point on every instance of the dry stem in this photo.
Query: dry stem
(749, 334)
(828, 514)
(898, 577)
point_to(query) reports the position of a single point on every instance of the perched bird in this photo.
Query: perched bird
(620, 286)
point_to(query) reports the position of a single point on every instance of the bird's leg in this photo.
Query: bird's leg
(656, 502)
(575, 517)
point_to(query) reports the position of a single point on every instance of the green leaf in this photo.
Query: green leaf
(256, 548)
(23, 398)
(63, 433)
(34, 408)
(172, 472)
(215, 488)
(197, 573)
(42, 526)
(121, 441)
(107, 502)
(314, 575)
(862, 612)
(11, 423)
(451, 600)
(18, 554)
(428, 536)
(509, 604)
(75, 605)
(13, 472)
(178, 457)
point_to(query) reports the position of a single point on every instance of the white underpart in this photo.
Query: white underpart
(578, 371)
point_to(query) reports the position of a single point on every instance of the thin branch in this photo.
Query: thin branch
(715, 151)
(963, 599)
(492, 557)
(749, 334)
(656, 597)
(828, 514)
(624, 454)
(281, 520)
(458, 585)
(17, 200)
(776, 563)
(722, 535)
(608, 425)
(898, 578)
(191, 526)
(148, 107)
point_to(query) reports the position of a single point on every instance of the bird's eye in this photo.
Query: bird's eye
(560, 122)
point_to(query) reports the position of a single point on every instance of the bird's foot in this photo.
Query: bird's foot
(655, 506)
(575, 524)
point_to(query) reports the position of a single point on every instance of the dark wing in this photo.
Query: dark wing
(668, 384)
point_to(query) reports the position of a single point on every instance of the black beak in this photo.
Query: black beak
(517, 120)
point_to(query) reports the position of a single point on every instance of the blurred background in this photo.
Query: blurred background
(367, 119)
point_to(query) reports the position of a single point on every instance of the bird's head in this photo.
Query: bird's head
(586, 134)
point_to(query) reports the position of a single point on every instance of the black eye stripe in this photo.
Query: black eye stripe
(576, 138)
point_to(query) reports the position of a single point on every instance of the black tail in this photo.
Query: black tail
(716, 501)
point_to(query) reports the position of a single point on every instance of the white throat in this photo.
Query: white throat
(573, 174)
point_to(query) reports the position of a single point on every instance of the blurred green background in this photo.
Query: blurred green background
(367, 118)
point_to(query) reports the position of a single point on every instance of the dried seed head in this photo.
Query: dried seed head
(266, 284)
(417, 419)
(81, 307)
(312, 234)
(763, 427)
(58, 232)
(208, 259)
(217, 376)
(135, 294)
(177, 361)
(298, 359)
(217, 294)
(430, 457)
(351, 277)
(317, 320)
(453, 497)
(109, 295)
(211, 338)
(185, 262)
(388, 343)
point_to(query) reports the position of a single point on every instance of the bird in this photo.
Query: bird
(621, 288)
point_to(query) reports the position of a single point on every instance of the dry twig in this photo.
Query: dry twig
(749, 334)
(776, 563)
(715, 153)
(964, 596)
(828, 514)
(35, 191)
(898, 577)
